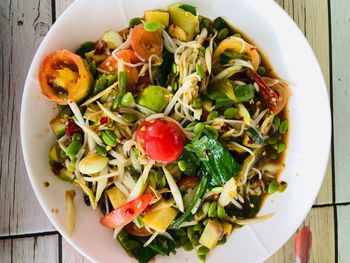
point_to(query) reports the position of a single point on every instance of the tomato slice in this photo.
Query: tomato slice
(146, 43)
(162, 140)
(110, 64)
(126, 213)
(63, 76)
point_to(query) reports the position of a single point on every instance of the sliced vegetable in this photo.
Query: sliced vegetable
(113, 39)
(211, 234)
(162, 140)
(58, 127)
(146, 43)
(92, 164)
(84, 48)
(158, 16)
(116, 197)
(63, 76)
(174, 189)
(192, 163)
(196, 198)
(243, 113)
(70, 211)
(160, 219)
(152, 26)
(156, 98)
(185, 19)
(127, 212)
(229, 192)
(244, 93)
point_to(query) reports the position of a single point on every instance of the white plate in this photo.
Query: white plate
(291, 56)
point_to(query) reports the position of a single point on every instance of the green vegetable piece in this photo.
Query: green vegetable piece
(237, 35)
(219, 165)
(226, 87)
(203, 251)
(101, 151)
(281, 148)
(272, 140)
(58, 127)
(283, 127)
(282, 187)
(100, 84)
(244, 93)
(185, 20)
(200, 71)
(135, 248)
(189, 8)
(220, 23)
(212, 209)
(190, 232)
(84, 48)
(229, 113)
(127, 99)
(73, 148)
(111, 78)
(197, 227)
(113, 39)
(198, 128)
(180, 232)
(256, 136)
(201, 51)
(92, 67)
(212, 115)
(206, 23)
(222, 241)
(223, 33)
(151, 26)
(63, 154)
(77, 137)
(129, 117)
(192, 163)
(161, 244)
(121, 90)
(202, 258)
(197, 103)
(227, 56)
(109, 138)
(197, 196)
(182, 165)
(134, 22)
(221, 212)
(188, 246)
(155, 98)
(277, 121)
(273, 187)
(195, 239)
(212, 131)
(261, 71)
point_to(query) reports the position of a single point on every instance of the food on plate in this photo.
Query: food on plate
(174, 128)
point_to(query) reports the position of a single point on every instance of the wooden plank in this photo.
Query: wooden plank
(321, 223)
(312, 18)
(340, 18)
(42, 249)
(69, 254)
(62, 5)
(343, 213)
(23, 25)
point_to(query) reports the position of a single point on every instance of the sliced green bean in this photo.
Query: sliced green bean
(229, 113)
(127, 99)
(281, 148)
(198, 128)
(101, 150)
(222, 241)
(197, 227)
(212, 209)
(182, 165)
(109, 138)
(221, 212)
(223, 34)
(277, 121)
(202, 251)
(283, 127)
(190, 233)
(200, 71)
(76, 137)
(129, 117)
(273, 187)
(212, 115)
(73, 148)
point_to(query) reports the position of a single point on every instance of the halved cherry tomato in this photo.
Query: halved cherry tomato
(111, 64)
(126, 213)
(146, 43)
(162, 140)
(135, 231)
(63, 77)
(188, 182)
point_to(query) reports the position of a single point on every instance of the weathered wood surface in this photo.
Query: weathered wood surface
(340, 11)
(23, 25)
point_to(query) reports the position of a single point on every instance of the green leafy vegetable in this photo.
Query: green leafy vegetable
(84, 48)
(192, 163)
(189, 8)
(197, 196)
(221, 99)
(162, 245)
(135, 247)
(244, 93)
(216, 162)
(256, 136)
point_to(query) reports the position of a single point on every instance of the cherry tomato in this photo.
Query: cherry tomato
(126, 213)
(146, 43)
(110, 64)
(63, 76)
(188, 182)
(162, 140)
(132, 229)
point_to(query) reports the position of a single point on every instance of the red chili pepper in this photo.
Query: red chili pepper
(104, 120)
(268, 95)
(72, 128)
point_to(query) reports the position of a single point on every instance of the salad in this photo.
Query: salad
(174, 128)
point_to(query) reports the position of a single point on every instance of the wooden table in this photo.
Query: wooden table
(26, 235)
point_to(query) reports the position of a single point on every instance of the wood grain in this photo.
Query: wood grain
(343, 233)
(312, 19)
(69, 254)
(321, 223)
(340, 11)
(42, 249)
(23, 25)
